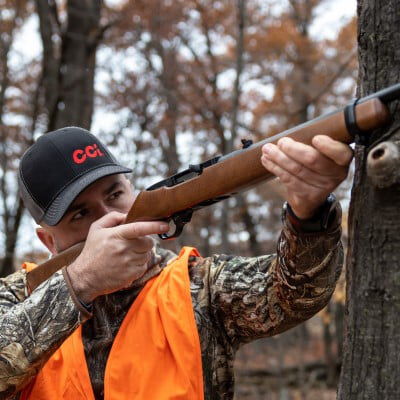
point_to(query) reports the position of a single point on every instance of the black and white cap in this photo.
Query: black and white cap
(59, 166)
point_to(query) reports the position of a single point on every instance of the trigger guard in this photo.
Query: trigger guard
(174, 234)
(180, 220)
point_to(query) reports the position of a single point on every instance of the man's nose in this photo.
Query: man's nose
(103, 209)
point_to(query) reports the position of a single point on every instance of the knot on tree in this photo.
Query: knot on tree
(383, 164)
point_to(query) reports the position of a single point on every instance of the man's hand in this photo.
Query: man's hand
(114, 255)
(308, 173)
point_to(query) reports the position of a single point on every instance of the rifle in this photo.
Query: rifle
(201, 185)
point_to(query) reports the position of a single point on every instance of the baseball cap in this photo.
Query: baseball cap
(59, 166)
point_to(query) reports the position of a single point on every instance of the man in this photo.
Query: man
(77, 191)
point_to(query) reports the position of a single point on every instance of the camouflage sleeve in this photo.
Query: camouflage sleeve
(257, 297)
(31, 328)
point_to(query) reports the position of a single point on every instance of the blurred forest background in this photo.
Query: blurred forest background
(167, 83)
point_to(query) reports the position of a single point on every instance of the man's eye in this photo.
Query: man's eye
(79, 215)
(116, 195)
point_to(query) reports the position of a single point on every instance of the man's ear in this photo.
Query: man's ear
(47, 239)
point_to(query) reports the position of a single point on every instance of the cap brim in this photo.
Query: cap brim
(60, 205)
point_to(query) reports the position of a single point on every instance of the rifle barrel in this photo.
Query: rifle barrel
(386, 95)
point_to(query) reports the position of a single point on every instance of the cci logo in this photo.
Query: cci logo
(80, 155)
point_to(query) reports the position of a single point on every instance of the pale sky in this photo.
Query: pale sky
(332, 16)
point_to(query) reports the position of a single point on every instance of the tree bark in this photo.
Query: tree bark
(371, 359)
(69, 61)
(77, 67)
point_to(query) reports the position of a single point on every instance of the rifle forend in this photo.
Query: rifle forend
(205, 184)
(201, 185)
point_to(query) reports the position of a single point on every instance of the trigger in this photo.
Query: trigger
(179, 220)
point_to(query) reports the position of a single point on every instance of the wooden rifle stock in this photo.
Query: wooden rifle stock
(208, 183)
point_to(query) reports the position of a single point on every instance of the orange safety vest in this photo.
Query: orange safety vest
(155, 355)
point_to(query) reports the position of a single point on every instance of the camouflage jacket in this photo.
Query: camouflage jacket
(235, 300)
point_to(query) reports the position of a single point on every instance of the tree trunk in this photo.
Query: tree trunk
(371, 359)
(69, 68)
(7, 263)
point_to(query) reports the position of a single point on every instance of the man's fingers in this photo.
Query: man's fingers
(338, 152)
(139, 229)
(297, 169)
(308, 173)
(308, 156)
(293, 183)
(109, 220)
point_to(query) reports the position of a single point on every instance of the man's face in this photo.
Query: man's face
(112, 193)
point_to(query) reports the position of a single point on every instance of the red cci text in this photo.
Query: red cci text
(80, 155)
